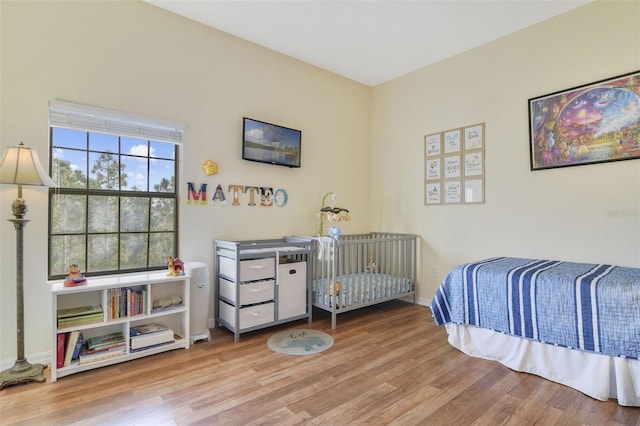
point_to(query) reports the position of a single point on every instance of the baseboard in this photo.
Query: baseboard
(39, 358)
(423, 302)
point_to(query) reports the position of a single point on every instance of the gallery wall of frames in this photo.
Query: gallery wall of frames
(454, 166)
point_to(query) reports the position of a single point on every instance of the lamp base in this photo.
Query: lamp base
(22, 372)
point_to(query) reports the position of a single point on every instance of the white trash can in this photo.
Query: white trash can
(200, 292)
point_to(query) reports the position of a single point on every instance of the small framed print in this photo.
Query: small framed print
(432, 169)
(452, 192)
(474, 137)
(452, 166)
(473, 164)
(452, 141)
(432, 145)
(473, 191)
(433, 193)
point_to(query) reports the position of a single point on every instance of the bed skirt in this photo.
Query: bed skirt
(599, 376)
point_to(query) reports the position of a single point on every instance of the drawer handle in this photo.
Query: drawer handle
(256, 266)
(255, 314)
(257, 290)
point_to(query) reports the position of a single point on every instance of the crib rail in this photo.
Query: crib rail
(362, 269)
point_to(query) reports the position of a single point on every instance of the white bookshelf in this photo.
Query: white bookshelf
(156, 286)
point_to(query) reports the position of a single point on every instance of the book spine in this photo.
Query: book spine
(105, 348)
(122, 309)
(110, 315)
(76, 352)
(60, 350)
(84, 319)
(115, 303)
(72, 340)
(81, 310)
(87, 359)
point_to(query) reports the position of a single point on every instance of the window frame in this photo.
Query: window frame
(135, 122)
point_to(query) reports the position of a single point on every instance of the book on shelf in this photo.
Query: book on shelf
(79, 344)
(147, 328)
(61, 338)
(166, 308)
(88, 357)
(145, 348)
(104, 348)
(79, 311)
(80, 320)
(72, 341)
(142, 341)
(106, 341)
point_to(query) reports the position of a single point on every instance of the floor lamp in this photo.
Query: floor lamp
(20, 166)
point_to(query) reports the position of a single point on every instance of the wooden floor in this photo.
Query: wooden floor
(388, 365)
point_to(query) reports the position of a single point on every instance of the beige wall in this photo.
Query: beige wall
(587, 213)
(134, 57)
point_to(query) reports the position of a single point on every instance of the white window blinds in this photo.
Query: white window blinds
(82, 117)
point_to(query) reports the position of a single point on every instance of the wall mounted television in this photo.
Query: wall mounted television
(269, 143)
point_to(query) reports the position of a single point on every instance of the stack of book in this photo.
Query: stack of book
(150, 335)
(72, 317)
(99, 348)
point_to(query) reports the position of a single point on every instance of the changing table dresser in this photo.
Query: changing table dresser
(262, 283)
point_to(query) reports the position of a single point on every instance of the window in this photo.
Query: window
(115, 207)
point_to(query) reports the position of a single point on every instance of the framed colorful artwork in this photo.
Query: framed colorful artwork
(594, 123)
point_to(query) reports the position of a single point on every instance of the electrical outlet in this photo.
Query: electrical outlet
(435, 271)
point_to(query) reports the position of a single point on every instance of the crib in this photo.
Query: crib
(361, 270)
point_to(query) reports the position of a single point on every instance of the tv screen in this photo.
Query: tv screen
(270, 143)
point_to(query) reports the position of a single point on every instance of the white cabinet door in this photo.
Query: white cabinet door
(292, 289)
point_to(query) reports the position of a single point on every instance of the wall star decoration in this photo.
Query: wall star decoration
(209, 168)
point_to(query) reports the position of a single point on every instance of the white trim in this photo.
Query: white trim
(83, 117)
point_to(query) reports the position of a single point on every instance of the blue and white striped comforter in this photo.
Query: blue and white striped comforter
(594, 308)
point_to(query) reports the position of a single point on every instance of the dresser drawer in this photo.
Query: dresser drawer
(251, 292)
(249, 316)
(250, 270)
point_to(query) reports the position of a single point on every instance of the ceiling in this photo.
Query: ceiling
(370, 42)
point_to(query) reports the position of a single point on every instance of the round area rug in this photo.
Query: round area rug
(300, 342)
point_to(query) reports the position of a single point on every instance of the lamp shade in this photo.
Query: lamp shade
(20, 165)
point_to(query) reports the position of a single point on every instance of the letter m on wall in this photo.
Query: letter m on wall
(200, 196)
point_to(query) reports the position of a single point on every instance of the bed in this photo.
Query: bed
(577, 324)
(361, 270)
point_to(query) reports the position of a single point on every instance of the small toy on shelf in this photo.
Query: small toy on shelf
(335, 232)
(176, 267)
(75, 277)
